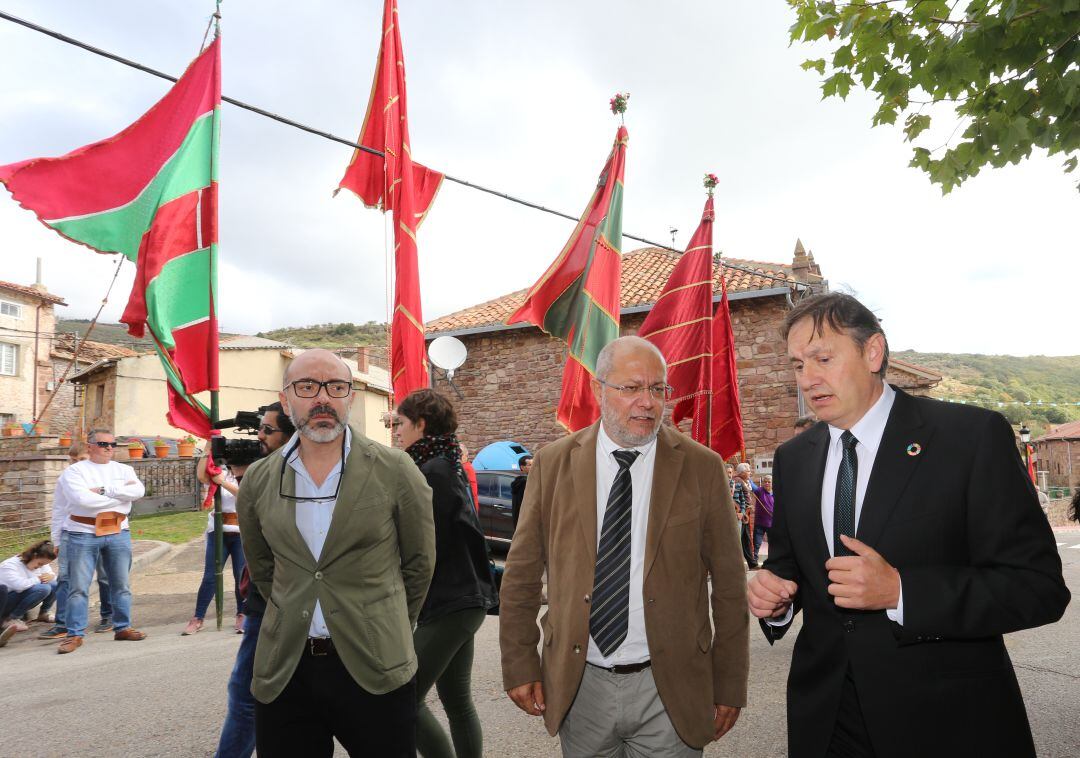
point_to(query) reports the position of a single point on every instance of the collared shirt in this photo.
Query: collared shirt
(118, 480)
(228, 505)
(868, 431)
(313, 518)
(635, 648)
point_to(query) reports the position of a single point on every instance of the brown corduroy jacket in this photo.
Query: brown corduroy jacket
(692, 536)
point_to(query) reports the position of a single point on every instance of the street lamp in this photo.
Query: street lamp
(1025, 438)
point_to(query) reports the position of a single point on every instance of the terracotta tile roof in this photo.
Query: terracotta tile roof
(31, 292)
(1069, 431)
(914, 368)
(89, 351)
(644, 273)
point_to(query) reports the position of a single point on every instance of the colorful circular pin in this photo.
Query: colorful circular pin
(914, 449)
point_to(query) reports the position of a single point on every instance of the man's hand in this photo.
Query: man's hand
(725, 718)
(769, 595)
(98, 490)
(529, 697)
(864, 581)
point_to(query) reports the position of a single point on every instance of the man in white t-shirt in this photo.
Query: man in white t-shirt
(99, 494)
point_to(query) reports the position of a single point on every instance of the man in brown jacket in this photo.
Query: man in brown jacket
(630, 520)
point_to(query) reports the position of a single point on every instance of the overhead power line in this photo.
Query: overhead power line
(334, 138)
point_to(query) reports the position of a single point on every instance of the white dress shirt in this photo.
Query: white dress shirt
(228, 505)
(868, 431)
(59, 514)
(313, 519)
(118, 480)
(635, 648)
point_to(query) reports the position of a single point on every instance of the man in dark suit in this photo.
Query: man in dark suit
(633, 523)
(911, 539)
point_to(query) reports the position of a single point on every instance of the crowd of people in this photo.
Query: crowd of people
(362, 574)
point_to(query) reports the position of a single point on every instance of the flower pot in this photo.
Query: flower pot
(161, 451)
(134, 452)
(15, 430)
(186, 449)
(64, 441)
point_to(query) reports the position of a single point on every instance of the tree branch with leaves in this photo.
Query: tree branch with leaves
(1010, 69)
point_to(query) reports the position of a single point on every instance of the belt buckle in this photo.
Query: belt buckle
(314, 647)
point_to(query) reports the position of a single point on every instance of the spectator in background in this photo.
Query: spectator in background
(29, 582)
(517, 487)
(763, 511)
(229, 481)
(77, 452)
(470, 473)
(802, 423)
(1074, 507)
(99, 494)
(742, 495)
(730, 477)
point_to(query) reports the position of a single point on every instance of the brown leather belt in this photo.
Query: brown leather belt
(90, 520)
(629, 668)
(230, 519)
(320, 646)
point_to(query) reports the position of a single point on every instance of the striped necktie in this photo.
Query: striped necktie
(844, 504)
(609, 616)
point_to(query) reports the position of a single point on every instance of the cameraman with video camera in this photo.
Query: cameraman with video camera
(275, 428)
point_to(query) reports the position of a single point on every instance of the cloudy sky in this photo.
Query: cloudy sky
(514, 96)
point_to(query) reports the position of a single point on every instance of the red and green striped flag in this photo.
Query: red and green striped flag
(150, 194)
(577, 298)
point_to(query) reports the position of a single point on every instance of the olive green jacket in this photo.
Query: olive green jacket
(370, 579)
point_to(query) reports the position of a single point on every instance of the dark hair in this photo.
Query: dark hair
(1074, 508)
(43, 549)
(842, 313)
(524, 459)
(435, 409)
(284, 423)
(803, 422)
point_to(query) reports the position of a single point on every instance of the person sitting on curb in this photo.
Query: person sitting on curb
(29, 582)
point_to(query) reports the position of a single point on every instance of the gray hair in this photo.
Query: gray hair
(606, 359)
(95, 432)
(742, 467)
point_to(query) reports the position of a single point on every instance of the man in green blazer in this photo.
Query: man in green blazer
(339, 539)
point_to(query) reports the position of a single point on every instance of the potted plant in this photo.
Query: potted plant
(13, 429)
(65, 439)
(161, 448)
(186, 447)
(135, 449)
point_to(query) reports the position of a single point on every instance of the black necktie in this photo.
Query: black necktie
(609, 616)
(844, 505)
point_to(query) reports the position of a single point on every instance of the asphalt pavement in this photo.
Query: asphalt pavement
(165, 696)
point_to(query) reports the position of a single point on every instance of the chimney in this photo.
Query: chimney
(362, 359)
(38, 286)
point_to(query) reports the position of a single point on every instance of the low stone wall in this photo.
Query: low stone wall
(1057, 512)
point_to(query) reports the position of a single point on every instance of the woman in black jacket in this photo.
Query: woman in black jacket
(461, 589)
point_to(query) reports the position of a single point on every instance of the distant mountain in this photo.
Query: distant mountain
(1038, 390)
(331, 335)
(110, 334)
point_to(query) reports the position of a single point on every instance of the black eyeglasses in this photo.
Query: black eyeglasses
(267, 429)
(106, 444)
(308, 388)
(325, 499)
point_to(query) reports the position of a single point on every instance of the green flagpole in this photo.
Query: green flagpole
(219, 532)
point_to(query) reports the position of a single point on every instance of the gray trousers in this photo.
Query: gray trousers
(620, 716)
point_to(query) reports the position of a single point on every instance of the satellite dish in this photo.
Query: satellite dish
(448, 353)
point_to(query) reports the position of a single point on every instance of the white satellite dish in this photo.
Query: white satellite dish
(448, 353)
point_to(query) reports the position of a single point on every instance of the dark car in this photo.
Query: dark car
(496, 507)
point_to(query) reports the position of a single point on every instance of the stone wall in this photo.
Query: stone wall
(62, 415)
(100, 407)
(27, 483)
(1057, 512)
(1058, 458)
(512, 379)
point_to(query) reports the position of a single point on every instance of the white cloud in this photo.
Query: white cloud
(515, 97)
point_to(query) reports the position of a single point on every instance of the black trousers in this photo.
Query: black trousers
(850, 738)
(322, 701)
(747, 545)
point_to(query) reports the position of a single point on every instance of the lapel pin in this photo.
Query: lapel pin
(914, 449)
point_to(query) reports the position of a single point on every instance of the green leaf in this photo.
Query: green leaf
(837, 84)
(843, 57)
(818, 64)
(915, 125)
(1070, 165)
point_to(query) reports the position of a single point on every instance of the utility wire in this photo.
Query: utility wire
(334, 138)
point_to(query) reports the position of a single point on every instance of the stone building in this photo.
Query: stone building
(511, 380)
(27, 325)
(65, 408)
(1058, 454)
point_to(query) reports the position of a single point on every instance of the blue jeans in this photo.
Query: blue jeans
(18, 604)
(238, 732)
(234, 550)
(62, 586)
(759, 536)
(84, 550)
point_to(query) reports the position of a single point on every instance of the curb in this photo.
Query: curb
(151, 556)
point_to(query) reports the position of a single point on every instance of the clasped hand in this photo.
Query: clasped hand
(864, 581)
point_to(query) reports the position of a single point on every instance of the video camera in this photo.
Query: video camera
(238, 452)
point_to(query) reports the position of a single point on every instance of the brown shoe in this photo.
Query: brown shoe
(130, 635)
(70, 644)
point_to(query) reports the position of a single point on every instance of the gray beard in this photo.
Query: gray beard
(323, 434)
(623, 436)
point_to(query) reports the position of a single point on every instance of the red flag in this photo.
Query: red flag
(1031, 464)
(698, 346)
(150, 194)
(394, 183)
(577, 298)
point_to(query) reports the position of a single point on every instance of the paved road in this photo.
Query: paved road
(165, 696)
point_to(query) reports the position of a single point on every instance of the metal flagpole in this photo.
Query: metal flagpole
(219, 531)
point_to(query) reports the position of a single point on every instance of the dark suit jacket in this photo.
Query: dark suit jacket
(691, 558)
(961, 522)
